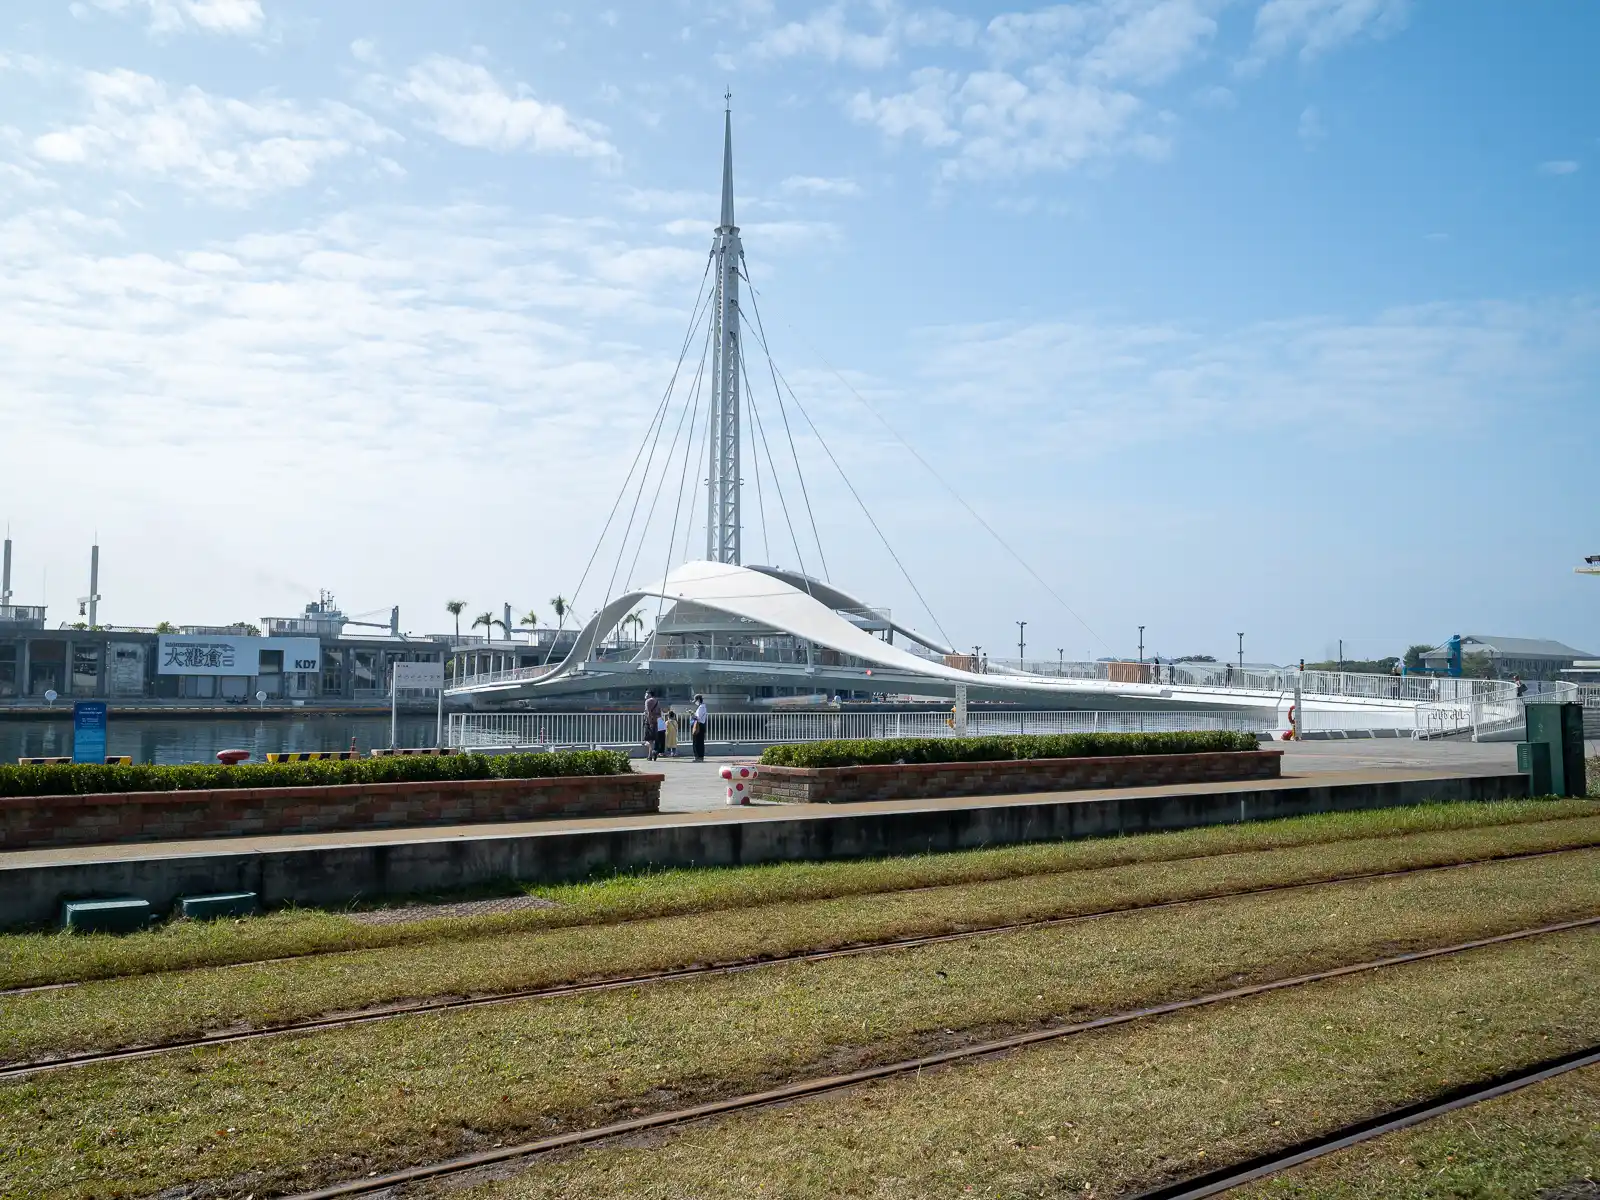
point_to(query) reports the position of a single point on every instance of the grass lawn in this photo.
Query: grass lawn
(1543, 1141)
(269, 1116)
(145, 1008)
(1118, 1110)
(32, 959)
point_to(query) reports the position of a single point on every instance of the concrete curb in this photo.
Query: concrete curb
(332, 874)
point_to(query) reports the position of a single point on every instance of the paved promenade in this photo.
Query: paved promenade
(696, 787)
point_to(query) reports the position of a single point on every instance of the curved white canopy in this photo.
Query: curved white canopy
(766, 599)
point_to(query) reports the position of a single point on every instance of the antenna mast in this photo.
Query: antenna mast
(722, 484)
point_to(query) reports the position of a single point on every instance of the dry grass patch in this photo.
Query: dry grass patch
(33, 959)
(143, 1009)
(1543, 1141)
(1115, 1111)
(270, 1116)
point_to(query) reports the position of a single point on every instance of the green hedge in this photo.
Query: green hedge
(81, 778)
(990, 749)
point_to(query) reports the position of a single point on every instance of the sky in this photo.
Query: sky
(1272, 316)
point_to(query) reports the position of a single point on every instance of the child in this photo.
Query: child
(672, 733)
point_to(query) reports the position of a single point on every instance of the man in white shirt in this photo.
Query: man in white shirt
(697, 730)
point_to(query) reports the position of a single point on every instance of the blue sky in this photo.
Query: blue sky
(1272, 315)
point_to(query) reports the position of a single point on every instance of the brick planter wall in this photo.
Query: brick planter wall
(30, 821)
(928, 781)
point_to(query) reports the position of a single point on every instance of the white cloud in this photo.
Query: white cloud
(1558, 166)
(828, 35)
(364, 50)
(1318, 26)
(1310, 129)
(464, 103)
(999, 124)
(137, 125)
(924, 112)
(1107, 384)
(1033, 34)
(388, 358)
(1152, 44)
(825, 35)
(1062, 88)
(814, 185)
(238, 17)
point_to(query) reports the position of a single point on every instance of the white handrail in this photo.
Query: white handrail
(545, 729)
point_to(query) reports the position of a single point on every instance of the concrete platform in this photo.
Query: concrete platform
(333, 869)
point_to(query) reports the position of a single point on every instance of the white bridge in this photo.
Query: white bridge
(739, 629)
(754, 637)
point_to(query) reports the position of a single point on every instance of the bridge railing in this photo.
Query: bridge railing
(1412, 689)
(548, 729)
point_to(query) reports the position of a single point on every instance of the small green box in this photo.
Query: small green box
(224, 904)
(121, 914)
(1533, 760)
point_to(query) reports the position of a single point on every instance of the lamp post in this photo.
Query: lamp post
(1141, 643)
(1061, 660)
(1241, 653)
(1021, 646)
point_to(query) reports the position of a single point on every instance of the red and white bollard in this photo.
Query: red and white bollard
(738, 783)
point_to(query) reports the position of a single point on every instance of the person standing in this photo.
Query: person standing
(672, 734)
(653, 726)
(697, 728)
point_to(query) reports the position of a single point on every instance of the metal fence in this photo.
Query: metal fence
(542, 729)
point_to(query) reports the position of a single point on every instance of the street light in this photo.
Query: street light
(1021, 646)
(1061, 660)
(1141, 643)
(1241, 653)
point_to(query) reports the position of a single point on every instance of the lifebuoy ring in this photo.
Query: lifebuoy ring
(1289, 733)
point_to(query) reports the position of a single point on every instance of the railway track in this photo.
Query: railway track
(1216, 1182)
(452, 1003)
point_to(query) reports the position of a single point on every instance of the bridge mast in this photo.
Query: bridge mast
(722, 484)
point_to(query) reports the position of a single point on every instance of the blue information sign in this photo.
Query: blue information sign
(89, 731)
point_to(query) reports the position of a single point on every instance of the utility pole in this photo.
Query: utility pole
(1061, 660)
(1021, 645)
(1141, 643)
(1241, 653)
(1341, 656)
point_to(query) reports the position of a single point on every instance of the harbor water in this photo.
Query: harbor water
(184, 739)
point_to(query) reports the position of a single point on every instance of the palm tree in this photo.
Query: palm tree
(635, 619)
(455, 608)
(488, 620)
(530, 619)
(559, 605)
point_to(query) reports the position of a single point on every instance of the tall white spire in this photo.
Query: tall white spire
(722, 483)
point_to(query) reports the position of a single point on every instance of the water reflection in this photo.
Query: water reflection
(185, 739)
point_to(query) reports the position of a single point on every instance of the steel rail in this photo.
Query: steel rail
(807, 1088)
(25, 989)
(1224, 1179)
(452, 1003)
